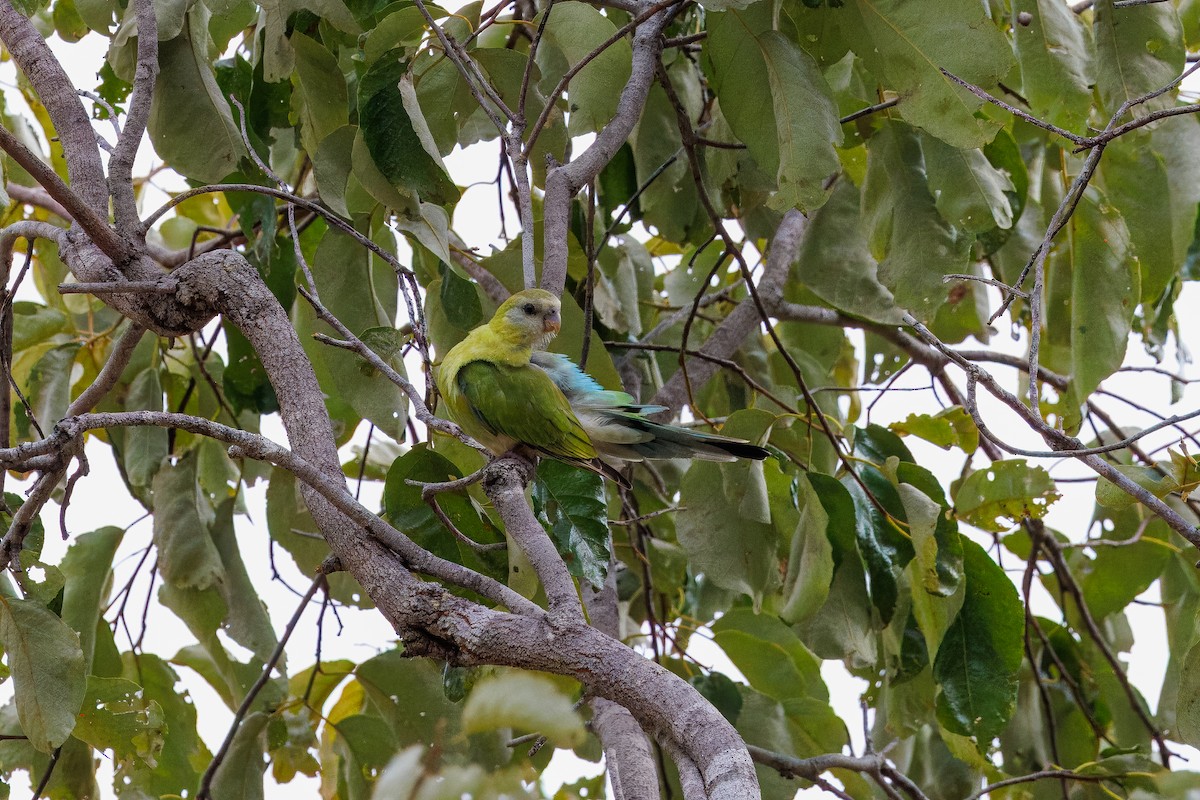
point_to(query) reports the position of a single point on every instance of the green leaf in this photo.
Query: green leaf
(277, 56)
(345, 276)
(47, 666)
(1187, 711)
(409, 694)
(951, 427)
(431, 228)
(115, 716)
(762, 723)
(968, 191)
(34, 323)
(942, 577)
(187, 557)
(145, 446)
(99, 16)
(402, 775)
(777, 102)
(333, 161)
(1155, 480)
(50, 384)
(834, 237)
(182, 747)
(402, 28)
(572, 32)
(924, 515)
(30, 8)
(810, 560)
(321, 96)
(290, 524)
(1055, 54)
(293, 754)
(1105, 287)
(731, 497)
(996, 498)
(1137, 54)
(247, 623)
(406, 510)
(1156, 188)
(721, 692)
(399, 142)
(87, 567)
(241, 773)
(669, 200)
(571, 504)
(885, 548)
(329, 676)
(977, 662)
(615, 296)
(906, 43)
(770, 655)
(445, 101)
(348, 282)
(525, 702)
(460, 301)
(191, 125)
(1116, 575)
(245, 381)
(916, 247)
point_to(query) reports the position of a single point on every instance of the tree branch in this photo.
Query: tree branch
(71, 123)
(120, 166)
(627, 751)
(563, 182)
(504, 484)
(110, 373)
(329, 491)
(37, 197)
(211, 771)
(76, 207)
(744, 320)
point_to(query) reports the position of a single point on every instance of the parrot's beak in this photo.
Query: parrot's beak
(551, 324)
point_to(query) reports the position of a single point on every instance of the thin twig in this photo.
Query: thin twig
(268, 668)
(45, 781)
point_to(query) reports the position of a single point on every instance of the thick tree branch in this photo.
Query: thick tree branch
(110, 373)
(37, 197)
(564, 182)
(505, 487)
(329, 490)
(120, 166)
(71, 123)
(76, 206)
(627, 751)
(690, 779)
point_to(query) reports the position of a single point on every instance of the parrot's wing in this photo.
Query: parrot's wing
(523, 404)
(581, 389)
(617, 427)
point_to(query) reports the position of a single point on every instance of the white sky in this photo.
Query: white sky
(101, 498)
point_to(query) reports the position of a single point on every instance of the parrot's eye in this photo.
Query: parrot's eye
(528, 308)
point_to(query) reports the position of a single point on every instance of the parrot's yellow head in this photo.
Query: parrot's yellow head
(529, 318)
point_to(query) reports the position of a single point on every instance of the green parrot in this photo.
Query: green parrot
(503, 389)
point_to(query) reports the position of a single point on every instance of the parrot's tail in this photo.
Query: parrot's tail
(626, 436)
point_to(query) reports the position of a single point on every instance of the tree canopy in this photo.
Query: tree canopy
(764, 214)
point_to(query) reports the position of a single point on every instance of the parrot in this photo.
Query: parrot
(505, 390)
